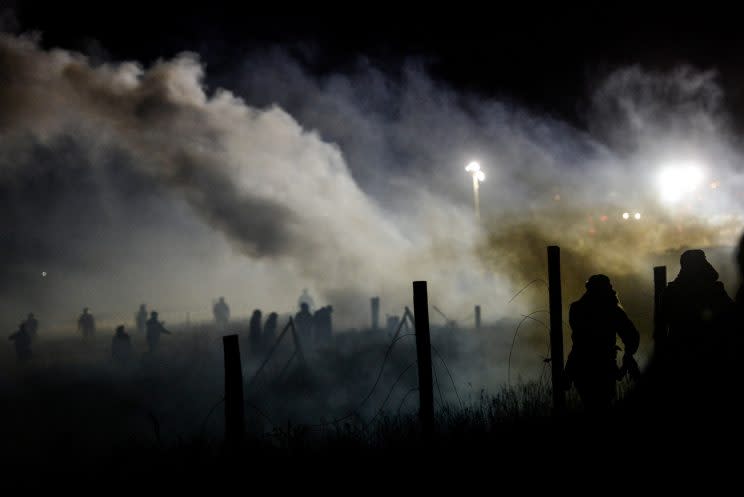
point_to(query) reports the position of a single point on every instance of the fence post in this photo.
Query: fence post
(375, 307)
(234, 406)
(477, 317)
(423, 356)
(556, 328)
(660, 283)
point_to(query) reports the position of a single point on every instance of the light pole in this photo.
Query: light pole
(475, 171)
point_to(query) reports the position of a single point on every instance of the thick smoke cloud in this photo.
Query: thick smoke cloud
(351, 184)
(271, 188)
(547, 182)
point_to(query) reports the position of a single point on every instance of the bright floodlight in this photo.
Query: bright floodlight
(473, 167)
(475, 171)
(637, 216)
(677, 181)
(626, 215)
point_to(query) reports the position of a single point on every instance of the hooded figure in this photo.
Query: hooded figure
(596, 321)
(696, 309)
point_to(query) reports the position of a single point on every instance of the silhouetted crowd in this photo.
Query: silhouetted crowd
(695, 353)
(311, 329)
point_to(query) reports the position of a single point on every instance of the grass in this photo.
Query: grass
(73, 406)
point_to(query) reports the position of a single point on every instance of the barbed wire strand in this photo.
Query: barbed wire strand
(536, 280)
(392, 388)
(405, 397)
(514, 339)
(449, 374)
(372, 390)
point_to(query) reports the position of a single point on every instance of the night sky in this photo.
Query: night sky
(547, 59)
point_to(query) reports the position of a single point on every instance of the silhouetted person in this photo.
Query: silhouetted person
(141, 319)
(86, 324)
(269, 331)
(698, 313)
(32, 326)
(304, 324)
(221, 313)
(734, 340)
(22, 341)
(690, 379)
(305, 298)
(740, 265)
(322, 325)
(154, 329)
(737, 337)
(121, 345)
(596, 320)
(254, 332)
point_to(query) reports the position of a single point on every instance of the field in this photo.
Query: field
(355, 396)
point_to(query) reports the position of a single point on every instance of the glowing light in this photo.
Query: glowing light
(43, 274)
(637, 216)
(626, 215)
(677, 181)
(473, 167)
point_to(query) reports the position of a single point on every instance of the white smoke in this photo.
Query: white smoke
(350, 184)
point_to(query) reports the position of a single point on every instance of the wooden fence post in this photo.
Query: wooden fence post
(660, 332)
(556, 328)
(234, 404)
(423, 355)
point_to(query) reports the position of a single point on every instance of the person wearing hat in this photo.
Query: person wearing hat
(696, 308)
(698, 314)
(596, 320)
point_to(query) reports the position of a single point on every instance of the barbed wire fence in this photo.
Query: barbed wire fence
(397, 337)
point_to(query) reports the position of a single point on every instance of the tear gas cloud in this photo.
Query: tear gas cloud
(169, 185)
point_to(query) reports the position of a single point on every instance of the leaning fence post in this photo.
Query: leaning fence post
(423, 355)
(234, 407)
(556, 328)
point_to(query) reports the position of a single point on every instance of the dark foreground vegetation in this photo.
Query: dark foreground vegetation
(72, 411)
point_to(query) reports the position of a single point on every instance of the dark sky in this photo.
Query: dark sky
(545, 60)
